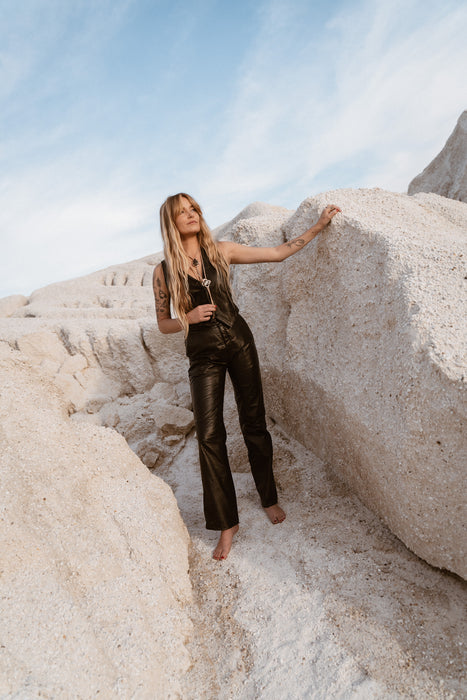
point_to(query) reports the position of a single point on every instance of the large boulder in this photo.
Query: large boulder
(94, 583)
(447, 173)
(362, 353)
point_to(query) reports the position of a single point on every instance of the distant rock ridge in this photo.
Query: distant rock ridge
(447, 173)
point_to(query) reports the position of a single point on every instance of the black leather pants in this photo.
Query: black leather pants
(213, 350)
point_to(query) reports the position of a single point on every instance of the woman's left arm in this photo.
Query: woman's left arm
(237, 253)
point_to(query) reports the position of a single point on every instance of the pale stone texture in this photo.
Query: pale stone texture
(333, 346)
(103, 586)
(102, 294)
(447, 173)
(361, 353)
(8, 305)
(94, 584)
(361, 338)
(97, 339)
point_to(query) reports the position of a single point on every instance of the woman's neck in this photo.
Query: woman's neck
(191, 246)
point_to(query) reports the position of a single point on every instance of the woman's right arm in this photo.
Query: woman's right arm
(162, 298)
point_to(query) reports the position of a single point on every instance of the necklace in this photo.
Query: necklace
(201, 274)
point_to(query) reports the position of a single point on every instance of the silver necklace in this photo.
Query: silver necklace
(201, 274)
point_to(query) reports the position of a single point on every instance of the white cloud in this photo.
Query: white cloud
(379, 83)
(56, 223)
(398, 91)
(67, 204)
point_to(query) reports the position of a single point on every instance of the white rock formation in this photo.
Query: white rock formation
(8, 305)
(362, 353)
(447, 173)
(361, 338)
(359, 342)
(96, 338)
(94, 583)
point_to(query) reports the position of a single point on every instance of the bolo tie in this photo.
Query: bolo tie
(201, 275)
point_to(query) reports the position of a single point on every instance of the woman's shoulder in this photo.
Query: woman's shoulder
(224, 247)
(160, 271)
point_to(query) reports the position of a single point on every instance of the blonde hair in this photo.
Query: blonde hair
(177, 260)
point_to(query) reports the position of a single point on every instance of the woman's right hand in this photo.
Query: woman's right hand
(328, 214)
(201, 313)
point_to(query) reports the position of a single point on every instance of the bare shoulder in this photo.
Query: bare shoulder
(158, 273)
(226, 247)
(159, 284)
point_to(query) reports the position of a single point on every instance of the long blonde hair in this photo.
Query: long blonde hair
(177, 260)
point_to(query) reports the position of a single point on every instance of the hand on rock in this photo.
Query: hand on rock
(328, 214)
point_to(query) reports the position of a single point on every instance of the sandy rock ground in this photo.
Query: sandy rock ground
(327, 604)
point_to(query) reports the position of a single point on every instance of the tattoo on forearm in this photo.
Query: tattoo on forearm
(296, 243)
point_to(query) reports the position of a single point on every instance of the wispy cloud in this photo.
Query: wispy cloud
(62, 229)
(378, 82)
(66, 199)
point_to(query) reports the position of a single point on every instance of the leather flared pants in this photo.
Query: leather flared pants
(214, 350)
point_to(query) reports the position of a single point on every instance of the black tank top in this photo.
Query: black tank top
(226, 309)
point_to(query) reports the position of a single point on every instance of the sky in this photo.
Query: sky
(109, 106)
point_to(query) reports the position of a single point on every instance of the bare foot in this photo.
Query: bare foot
(225, 543)
(275, 514)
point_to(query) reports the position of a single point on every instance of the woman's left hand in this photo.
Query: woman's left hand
(328, 214)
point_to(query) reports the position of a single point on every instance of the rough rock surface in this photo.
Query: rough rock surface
(447, 173)
(94, 583)
(327, 604)
(8, 305)
(95, 337)
(362, 344)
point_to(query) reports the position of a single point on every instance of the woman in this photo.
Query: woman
(194, 280)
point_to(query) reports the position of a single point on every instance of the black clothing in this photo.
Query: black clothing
(225, 344)
(212, 352)
(226, 309)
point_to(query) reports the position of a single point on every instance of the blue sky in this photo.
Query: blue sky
(106, 107)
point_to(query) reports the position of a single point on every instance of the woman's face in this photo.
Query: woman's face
(187, 221)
